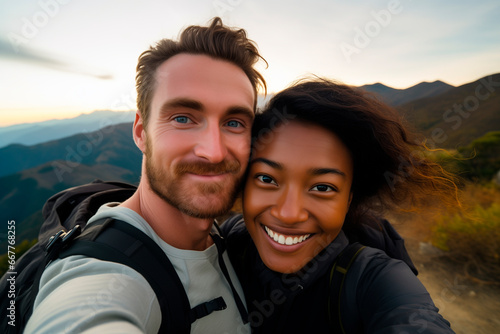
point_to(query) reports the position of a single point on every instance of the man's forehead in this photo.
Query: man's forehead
(205, 80)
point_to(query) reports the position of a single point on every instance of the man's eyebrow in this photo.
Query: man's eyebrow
(323, 171)
(181, 103)
(268, 162)
(237, 110)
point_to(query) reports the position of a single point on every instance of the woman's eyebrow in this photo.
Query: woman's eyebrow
(268, 162)
(322, 171)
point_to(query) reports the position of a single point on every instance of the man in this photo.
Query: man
(196, 103)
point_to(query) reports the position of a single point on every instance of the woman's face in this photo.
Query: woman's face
(297, 194)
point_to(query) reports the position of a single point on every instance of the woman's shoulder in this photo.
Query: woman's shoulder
(386, 289)
(373, 262)
(232, 227)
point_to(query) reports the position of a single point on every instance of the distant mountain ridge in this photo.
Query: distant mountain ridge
(36, 133)
(396, 97)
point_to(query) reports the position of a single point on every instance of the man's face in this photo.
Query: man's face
(197, 140)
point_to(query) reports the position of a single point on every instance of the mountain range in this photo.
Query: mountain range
(35, 133)
(448, 116)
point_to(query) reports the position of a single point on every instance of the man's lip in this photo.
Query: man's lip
(209, 177)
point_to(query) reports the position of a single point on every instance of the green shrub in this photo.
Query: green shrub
(472, 238)
(482, 157)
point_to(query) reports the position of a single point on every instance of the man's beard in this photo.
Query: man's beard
(199, 200)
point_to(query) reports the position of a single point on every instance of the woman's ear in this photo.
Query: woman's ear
(139, 132)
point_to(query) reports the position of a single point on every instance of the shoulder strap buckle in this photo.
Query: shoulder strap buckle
(61, 238)
(204, 309)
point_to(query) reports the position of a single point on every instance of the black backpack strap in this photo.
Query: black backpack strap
(26, 299)
(221, 247)
(338, 274)
(204, 309)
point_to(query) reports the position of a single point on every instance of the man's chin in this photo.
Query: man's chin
(207, 208)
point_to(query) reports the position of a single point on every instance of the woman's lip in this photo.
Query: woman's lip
(285, 242)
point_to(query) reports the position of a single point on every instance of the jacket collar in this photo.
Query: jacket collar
(308, 275)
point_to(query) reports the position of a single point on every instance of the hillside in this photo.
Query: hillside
(25, 192)
(459, 115)
(111, 145)
(37, 172)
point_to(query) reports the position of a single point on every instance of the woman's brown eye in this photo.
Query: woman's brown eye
(322, 187)
(266, 179)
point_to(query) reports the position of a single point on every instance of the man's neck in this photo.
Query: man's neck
(172, 226)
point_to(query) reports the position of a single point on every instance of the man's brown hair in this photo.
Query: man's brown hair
(216, 40)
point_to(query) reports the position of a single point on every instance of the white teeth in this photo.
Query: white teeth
(288, 240)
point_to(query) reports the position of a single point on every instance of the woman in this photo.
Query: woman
(325, 157)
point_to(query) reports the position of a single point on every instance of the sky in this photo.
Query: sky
(61, 58)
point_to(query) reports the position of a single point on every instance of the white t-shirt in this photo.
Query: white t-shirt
(85, 295)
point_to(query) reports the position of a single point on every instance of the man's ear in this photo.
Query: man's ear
(350, 199)
(139, 133)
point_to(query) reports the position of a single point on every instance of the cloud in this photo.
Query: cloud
(40, 58)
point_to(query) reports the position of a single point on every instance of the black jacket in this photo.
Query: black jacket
(381, 294)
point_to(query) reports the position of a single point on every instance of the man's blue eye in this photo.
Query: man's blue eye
(233, 124)
(181, 119)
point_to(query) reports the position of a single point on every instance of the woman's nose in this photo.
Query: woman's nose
(289, 208)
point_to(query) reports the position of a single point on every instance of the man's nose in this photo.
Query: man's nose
(289, 208)
(211, 145)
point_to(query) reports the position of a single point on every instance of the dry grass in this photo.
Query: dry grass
(472, 236)
(469, 235)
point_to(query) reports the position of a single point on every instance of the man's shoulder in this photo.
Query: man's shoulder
(77, 280)
(62, 270)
